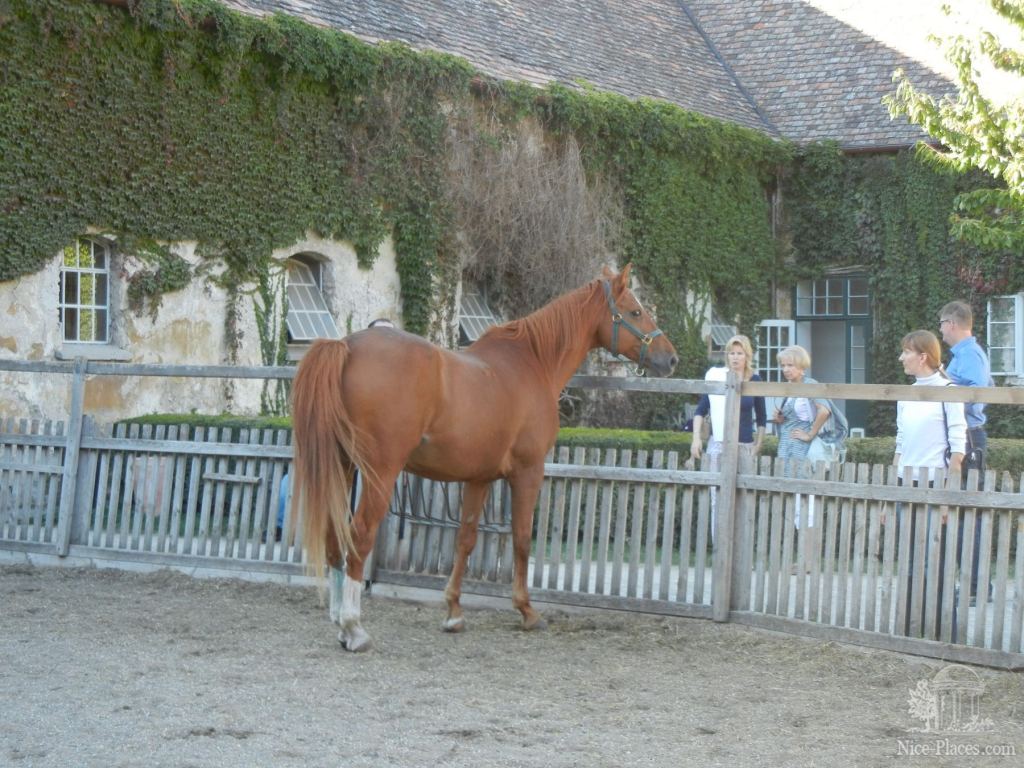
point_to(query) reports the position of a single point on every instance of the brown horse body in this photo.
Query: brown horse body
(384, 400)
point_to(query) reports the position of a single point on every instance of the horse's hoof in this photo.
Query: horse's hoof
(536, 623)
(355, 640)
(457, 624)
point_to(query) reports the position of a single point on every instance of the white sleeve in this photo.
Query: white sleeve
(717, 402)
(957, 434)
(899, 427)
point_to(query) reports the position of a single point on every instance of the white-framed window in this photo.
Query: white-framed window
(84, 301)
(857, 296)
(835, 296)
(308, 315)
(720, 331)
(773, 336)
(1005, 335)
(475, 316)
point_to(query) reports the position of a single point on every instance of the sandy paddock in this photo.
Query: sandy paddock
(106, 668)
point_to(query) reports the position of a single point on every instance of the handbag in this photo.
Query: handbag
(819, 450)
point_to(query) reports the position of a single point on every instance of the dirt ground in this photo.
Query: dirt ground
(107, 668)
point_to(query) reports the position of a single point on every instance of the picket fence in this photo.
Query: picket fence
(841, 552)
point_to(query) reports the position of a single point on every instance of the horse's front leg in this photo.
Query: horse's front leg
(373, 505)
(525, 486)
(473, 497)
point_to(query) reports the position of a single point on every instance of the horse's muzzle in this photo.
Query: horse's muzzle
(661, 363)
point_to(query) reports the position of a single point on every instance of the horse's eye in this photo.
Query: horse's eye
(636, 313)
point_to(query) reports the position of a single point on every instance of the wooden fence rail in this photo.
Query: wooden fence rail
(841, 552)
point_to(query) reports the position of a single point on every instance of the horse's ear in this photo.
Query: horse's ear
(622, 280)
(606, 273)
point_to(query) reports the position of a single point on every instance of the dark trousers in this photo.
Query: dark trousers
(977, 447)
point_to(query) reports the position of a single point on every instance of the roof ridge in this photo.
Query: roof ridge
(685, 8)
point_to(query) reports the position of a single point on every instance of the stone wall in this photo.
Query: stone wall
(190, 328)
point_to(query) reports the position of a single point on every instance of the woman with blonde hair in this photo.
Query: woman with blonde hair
(799, 419)
(739, 358)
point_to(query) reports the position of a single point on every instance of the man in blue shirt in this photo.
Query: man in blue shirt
(968, 367)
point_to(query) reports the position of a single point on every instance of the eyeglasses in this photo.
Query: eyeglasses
(944, 320)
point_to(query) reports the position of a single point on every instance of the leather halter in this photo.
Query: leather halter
(618, 319)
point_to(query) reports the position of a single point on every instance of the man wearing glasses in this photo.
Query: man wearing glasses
(968, 367)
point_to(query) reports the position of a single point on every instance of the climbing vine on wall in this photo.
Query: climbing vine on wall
(162, 121)
(697, 206)
(888, 214)
(186, 121)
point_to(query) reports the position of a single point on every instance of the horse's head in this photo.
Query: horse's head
(629, 330)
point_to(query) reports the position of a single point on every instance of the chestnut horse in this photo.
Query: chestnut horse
(382, 400)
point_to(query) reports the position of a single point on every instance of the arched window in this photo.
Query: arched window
(475, 315)
(308, 315)
(84, 302)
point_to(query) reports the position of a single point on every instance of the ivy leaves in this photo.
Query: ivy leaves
(184, 120)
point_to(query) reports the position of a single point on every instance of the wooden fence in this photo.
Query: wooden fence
(840, 552)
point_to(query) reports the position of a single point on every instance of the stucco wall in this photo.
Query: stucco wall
(190, 328)
(355, 296)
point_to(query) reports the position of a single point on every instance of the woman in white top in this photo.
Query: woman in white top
(927, 432)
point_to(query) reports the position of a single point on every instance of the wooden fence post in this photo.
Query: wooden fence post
(72, 450)
(742, 550)
(722, 552)
(85, 487)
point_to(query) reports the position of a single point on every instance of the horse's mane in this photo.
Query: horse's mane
(552, 329)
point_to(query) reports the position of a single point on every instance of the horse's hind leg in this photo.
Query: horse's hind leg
(335, 564)
(473, 496)
(335, 587)
(373, 505)
(525, 487)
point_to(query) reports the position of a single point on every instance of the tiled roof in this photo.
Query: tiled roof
(633, 47)
(814, 76)
(780, 66)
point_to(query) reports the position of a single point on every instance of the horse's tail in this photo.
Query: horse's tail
(325, 451)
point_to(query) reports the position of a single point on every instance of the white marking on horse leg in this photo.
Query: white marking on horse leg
(334, 589)
(352, 636)
(351, 595)
(454, 624)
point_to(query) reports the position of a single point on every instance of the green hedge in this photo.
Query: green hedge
(635, 439)
(207, 420)
(1005, 455)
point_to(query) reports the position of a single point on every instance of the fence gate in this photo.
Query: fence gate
(31, 466)
(418, 534)
(612, 528)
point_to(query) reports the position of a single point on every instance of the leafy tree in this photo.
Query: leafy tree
(977, 134)
(924, 706)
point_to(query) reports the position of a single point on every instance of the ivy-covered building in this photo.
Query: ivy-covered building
(222, 180)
